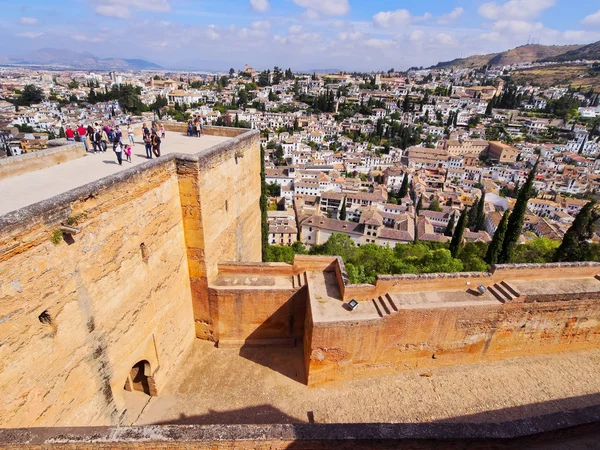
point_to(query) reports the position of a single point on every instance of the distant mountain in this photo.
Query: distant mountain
(67, 58)
(587, 52)
(519, 55)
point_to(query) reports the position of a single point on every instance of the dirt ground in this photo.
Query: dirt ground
(258, 386)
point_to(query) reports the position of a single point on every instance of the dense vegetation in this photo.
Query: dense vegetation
(364, 263)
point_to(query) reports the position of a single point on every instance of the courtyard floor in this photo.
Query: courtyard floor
(258, 386)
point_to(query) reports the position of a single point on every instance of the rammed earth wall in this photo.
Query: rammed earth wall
(77, 313)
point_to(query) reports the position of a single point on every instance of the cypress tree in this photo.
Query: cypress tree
(472, 217)
(343, 210)
(264, 222)
(582, 229)
(457, 237)
(419, 205)
(480, 222)
(450, 226)
(495, 247)
(404, 188)
(490, 106)
(517, 218)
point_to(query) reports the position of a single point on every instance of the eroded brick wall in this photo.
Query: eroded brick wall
(77, 314)
(428, 337)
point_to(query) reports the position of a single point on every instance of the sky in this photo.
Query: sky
(364, 35)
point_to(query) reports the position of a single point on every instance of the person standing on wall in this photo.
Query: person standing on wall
(130, 135)
(148, 145)
(81, 132)
(155, 143)
(70, 134)
(118, 149)
(104, 139)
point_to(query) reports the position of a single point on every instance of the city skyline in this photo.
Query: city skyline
(301, 34)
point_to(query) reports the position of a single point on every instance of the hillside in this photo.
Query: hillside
(587, 52)
(559, 75)
(466, 63)
(67, 58)
(530, 53)
(519, 55)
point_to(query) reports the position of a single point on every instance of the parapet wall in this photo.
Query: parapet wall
(386, 284)
(77, 311)
(29, 162)
(436, 321)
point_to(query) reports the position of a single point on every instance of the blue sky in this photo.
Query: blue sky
(301, 34)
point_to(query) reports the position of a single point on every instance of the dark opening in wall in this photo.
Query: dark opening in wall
(145, 252)
(44, 317)
(226, 205)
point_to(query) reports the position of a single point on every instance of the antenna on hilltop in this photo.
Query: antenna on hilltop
(528, 39)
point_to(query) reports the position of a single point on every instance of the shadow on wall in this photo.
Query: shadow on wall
(254, 415)
(278, 342)
(526, 427)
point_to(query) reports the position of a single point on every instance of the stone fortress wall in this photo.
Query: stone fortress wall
(169, 250)
(76, 315)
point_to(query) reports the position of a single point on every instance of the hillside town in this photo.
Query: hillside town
(385, 158)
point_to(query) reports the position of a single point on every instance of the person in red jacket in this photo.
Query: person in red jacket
(70, 134)
(82, 133)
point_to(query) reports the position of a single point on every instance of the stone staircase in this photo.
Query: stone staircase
(299, 280)
(385, 305)
(504, 292)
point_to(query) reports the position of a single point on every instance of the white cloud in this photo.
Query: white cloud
(388, 19)
(518, 27)
(444, 39)
(350, 36)
(295, 29)
(212, 33)
(80, 37)
(515, 9)
(121, 9)
(316, 8)
(260, 5)
(28, 21)
(30, 34)
(379, 43)
(261, 25)
(451, 16)
(593, 20)
(416, 35)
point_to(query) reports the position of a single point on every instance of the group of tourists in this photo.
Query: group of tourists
(195, 127)
(101, 136)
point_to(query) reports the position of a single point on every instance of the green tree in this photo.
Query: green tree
(343, 209)
(472, 217)
(480, 220)
(279, 155)
(472, 255)
(435, 206)
(29, 95)
(575, 239)
(538, 251)
(517, 218)
(263, 207)
(340, 244)
(457, 237)
(495, 248)
(419, 205)
(450, 227)
(404, 187)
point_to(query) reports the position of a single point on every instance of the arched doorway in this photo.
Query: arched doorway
(140, 379)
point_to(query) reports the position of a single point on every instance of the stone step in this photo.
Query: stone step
(384, 305)
(389, 299)
(597, 277)
(505, 292)
(377, 307)
(496, 294)
(511, 289)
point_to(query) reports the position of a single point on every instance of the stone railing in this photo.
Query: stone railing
(29, 162)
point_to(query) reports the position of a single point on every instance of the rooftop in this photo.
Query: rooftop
(32, 187)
